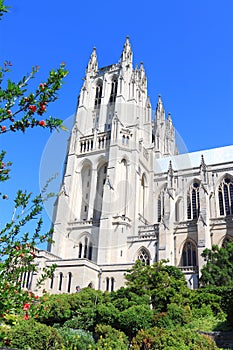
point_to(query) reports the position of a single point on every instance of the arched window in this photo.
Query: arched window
(86, 174)
(143, 256)
(85, 249)
(189, 255)
(90, 249)
(143, 193)
(113, 94)
(69, 282)
(193, 201)
(225, 196)
(51, 281)
(107, 284)
(98, 94)
(160, 207)
(80, 246)
(60, 280)
(112, 284)
(101, 178)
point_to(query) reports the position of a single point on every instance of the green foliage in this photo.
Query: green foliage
(22, 107)
(3, 8)
(172, 339)
(175, 316)
(135, 318)
(33, 335)
(203, 297)
(107, 313)
(163, 283)
(85, 319)
(218, 270)
(76, 310)
(56, 309)
(73, 339)
(110, 338)
(204, 319)
(124, 298)
(224, 296)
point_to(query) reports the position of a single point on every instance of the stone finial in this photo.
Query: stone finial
(92, 66)
(127, 54)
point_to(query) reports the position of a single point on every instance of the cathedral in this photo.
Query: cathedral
(127, 194)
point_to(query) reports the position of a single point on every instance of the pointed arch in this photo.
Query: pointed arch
(69, 282)
(101, 179)
(143, 195)
(189, 254)
(193, 200)
(98, 93)
(143, 255)
(113, 93)
(60, 281)
(225, 195)
(86, 176)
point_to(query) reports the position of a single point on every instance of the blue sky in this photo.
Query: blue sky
(186, 47)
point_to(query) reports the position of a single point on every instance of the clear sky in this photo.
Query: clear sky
(186, 47)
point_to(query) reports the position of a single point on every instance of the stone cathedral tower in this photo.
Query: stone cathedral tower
(126, 194)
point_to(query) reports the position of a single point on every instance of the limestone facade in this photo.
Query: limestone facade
(127, 194)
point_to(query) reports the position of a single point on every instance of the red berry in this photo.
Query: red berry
(3, 128)
(8, 111)
(42, 123)
(32, 108)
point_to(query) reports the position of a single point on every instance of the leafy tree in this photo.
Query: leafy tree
(22, 108)
(218, 270)
(163, 283)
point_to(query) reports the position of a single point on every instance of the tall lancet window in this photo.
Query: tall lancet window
(143, 196)
(189, 255)
(86, 188)
(122, 186)
(98, 94)
(225, 196)
(113, 93)
(193, 201)
(101, 179)
(160, 206)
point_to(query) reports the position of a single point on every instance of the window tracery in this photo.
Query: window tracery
(193, 201)
(189, 255)
(143, 256)
(225, 196)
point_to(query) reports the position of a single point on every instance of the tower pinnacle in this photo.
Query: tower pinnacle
(92, 66)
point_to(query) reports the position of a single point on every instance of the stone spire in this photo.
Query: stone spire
(92, 66)
(160, 113)
(127, 55)
(203, 169)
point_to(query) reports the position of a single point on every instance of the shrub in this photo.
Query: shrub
(85, 319)
(33, 335)
(174, 316)
(74, 339)
(182, 339)
(107, 314)
(56, 309)
(135, 318)
(110, 338)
